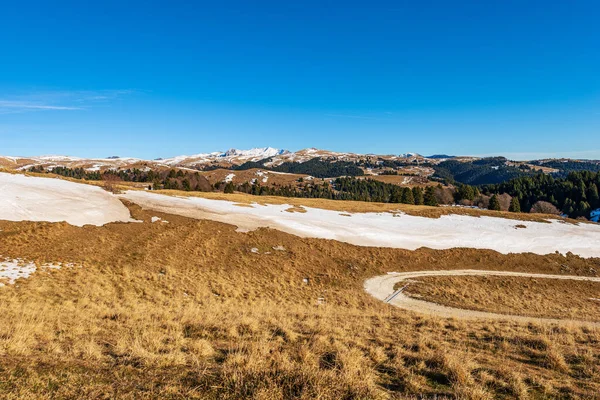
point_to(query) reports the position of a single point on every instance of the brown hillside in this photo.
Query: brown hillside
(193, 309)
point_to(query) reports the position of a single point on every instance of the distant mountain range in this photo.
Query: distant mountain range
(324, 163)
(226, 158)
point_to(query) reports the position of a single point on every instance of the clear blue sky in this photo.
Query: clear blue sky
(156, 79)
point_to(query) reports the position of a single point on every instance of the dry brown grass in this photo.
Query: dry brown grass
(186, 310)
(402, 180)
(248, 175)
(513, 295)
(298, 209)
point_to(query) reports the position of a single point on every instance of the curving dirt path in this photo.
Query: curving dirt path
(382, 288)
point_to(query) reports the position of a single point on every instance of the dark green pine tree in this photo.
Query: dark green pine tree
(228, 188)
(592, 196)
(256, 189)
(515, 206)
(407, 196)
(429, 197)
(418, 195)
(494, 203)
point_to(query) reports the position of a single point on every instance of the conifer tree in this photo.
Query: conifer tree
(515, 206)
(494, 203)
(418, 195)
(593, 197)
(407, 196)
(429, 197)
(228, 187)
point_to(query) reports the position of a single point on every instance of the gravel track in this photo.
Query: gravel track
(382, 288)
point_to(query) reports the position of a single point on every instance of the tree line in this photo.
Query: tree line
(345, 188)
(171, 179)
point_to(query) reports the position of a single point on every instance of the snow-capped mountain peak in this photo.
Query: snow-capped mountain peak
(259, 152)
(409, 155)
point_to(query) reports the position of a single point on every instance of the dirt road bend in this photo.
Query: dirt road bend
(382, 288)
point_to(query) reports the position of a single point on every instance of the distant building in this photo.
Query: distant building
(595, 215)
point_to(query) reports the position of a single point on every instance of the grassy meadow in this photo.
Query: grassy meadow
(188, 310)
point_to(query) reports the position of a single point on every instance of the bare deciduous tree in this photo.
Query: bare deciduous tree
(443, 196)
(543, 207)
(482, 201)
(504, 200)
(110, 182)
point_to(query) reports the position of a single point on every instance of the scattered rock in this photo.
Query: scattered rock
(279, 248)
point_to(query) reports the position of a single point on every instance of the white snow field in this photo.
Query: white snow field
(24, 198)
(387, 229)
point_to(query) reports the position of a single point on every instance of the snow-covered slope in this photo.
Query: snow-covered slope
(389, 230)
(24, 198)
(253, 154)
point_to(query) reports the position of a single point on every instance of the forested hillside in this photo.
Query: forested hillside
(576, 195)
(567, 166)
(478, 172)
(315, 167)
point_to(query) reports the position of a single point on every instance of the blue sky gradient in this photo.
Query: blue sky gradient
(158, 79)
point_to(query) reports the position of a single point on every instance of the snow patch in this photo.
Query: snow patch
(229, 178)
(388, 229)
(12, 270)
(24, 198)
(58, 158)
(96, 167)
